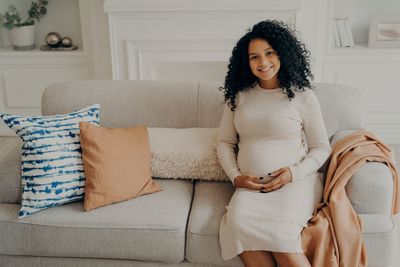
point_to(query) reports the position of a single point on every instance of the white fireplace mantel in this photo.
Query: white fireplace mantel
(147, 35)
(129, 6)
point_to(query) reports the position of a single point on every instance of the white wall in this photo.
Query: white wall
(64, 17)
(87, 24)
(96, 38)
(172, 40)
(307, 23)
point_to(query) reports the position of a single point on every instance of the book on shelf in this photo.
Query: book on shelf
(335, 34)
(349, 32)
(344, 32)
(344, 41)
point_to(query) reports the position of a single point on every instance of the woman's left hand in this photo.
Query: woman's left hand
(281, 177)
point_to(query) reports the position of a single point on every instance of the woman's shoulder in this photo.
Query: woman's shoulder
(305, 99)
(305, 95)
(241, 95)
(305, 92)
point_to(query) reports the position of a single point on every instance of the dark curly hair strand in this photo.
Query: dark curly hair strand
(295, 70)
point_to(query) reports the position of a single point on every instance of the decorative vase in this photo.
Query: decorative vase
(23, 38)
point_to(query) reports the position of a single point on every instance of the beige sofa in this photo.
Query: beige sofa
(178, 226)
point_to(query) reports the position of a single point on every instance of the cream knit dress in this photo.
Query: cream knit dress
(268, 129)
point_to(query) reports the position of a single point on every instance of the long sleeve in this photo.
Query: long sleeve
(227, 139)
(317, 139)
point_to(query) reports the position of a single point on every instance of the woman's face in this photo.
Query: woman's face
(264, 63)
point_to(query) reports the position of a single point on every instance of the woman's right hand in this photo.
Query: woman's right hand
(248, 181)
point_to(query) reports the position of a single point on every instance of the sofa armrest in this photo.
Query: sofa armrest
(370, 189)
(10, 169)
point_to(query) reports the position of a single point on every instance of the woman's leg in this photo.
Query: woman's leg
(257, 258)
(291, 259)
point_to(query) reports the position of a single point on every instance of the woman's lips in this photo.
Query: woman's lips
(265, 69)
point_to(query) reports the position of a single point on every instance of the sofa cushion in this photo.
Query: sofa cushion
(127, 103)
(125, 230)
(185, 153)
(10, 169)
(52, 168)
(380, 235)
(368, 189)
(35, 261)
(183, 104)
(341, 106)
(210, 199)
(116, 163)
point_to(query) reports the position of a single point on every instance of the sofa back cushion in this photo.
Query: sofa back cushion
(10, 169)
(182, 104)
(127, 103)
(340, 105)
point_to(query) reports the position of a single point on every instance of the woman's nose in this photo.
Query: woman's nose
(264, 62)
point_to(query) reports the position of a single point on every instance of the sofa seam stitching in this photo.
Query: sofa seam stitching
(198, 104)
(91, 228)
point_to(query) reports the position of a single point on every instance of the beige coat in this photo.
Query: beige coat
(333, 236)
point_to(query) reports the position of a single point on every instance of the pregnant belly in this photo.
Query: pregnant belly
(259, 160)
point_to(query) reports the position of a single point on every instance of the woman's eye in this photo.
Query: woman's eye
(253, 57)
(270, 53)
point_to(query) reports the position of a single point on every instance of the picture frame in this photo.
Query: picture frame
(384, 33)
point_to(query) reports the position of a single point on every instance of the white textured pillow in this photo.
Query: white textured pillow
(185, 153)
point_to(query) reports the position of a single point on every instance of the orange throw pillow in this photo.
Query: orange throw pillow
(117, 164)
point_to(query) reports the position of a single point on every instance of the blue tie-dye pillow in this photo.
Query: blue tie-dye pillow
(52, 167)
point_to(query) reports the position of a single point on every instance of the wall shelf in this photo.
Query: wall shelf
(9, 51)
(374, 71)
(363, 48)
(24, 75)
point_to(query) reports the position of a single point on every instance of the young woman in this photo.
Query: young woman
(269, 106)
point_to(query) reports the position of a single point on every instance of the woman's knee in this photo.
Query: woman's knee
(259, 258)
(290, 259)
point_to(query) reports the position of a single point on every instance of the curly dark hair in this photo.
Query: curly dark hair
(295, 70)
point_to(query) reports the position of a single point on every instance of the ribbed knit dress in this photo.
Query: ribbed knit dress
(269, 130)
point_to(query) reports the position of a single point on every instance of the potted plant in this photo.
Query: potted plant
(22, 33)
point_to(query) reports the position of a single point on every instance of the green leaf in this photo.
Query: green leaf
(12, 18)
(9, 26)
(27, 23)
(16, 18)
(12, 9)
(43, 11)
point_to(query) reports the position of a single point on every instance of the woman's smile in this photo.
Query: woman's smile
(265, 69)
